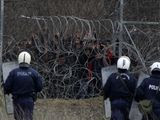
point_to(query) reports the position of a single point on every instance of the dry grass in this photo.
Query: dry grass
(3, 115)
(60, 109)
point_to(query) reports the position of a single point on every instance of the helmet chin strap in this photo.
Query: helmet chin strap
(156, 71)
(24, 65)
(122, 70)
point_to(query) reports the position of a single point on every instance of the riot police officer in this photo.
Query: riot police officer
(120, 88)
(23, 83)
(149, 89)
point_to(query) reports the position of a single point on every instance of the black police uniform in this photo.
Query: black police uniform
(149, 89)
(22, 83)
(120, 88)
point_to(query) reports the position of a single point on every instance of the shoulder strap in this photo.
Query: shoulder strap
(123, 82)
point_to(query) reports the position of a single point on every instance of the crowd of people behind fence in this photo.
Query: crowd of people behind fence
(71, 64)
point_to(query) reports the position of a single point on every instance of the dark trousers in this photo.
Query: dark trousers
(118, 114)
(23, 108)
(120, 109)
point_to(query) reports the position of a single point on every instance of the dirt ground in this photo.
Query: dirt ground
(60, 109)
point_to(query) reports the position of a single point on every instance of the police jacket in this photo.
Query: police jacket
(149, 89)
(120, 86)
(23, 82)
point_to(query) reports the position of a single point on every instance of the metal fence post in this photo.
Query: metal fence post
(1, 45)
(121, 27)
(1, 35)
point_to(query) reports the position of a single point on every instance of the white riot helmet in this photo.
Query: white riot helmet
(155, 66)
(24, 57)
(123, 62)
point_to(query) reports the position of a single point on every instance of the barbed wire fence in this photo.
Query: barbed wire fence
(141, 24)
(62, 49)
(69, 51)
